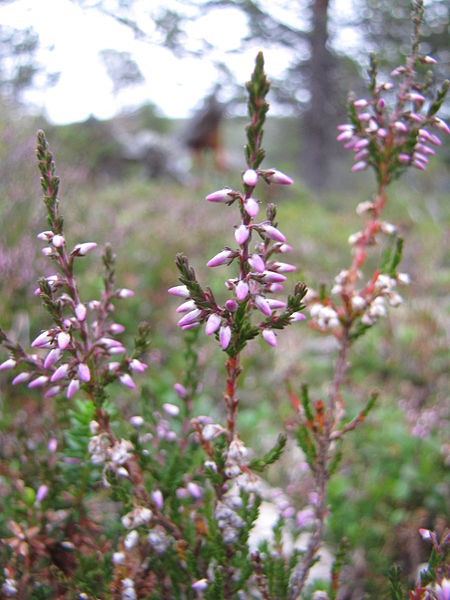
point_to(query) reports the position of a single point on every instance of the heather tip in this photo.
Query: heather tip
(223, 195)
(250, 177)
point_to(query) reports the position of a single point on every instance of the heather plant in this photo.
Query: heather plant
(166, 504)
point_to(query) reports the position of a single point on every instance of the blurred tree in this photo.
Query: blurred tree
(18, 65)
(319, 63)
(121, 68)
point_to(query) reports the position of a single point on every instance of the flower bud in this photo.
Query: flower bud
(270, 337)
(171, 409)
(180, 390)
(126, 380)
(51, 358)
(273, 233)
(190, 317)
(231, 305)
(263, 305)
(256, 263)
(58, 241)
(72, 388)
(212, 323)
(125, 293)
(83, 372)
(60, 373)
(219, 259)
(158, 499)
(359, 166)
(251, 207)
(137, 366)
(42, 341)
(179, 290)
(224, 336)
(80, 312)
(83, 249)
(8, 364)
(224, 195)
(241, 290)
(241, 234)
(21, 378)
(38, 382)
(63, 340)
(250, 177)
(274, 176)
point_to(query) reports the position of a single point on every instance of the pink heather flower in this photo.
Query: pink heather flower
(190, 326)
(45, 236)
(63, 340)
(415, 97)
(72, 388)
(80, 312)
(21, 378)
(241, 234)
(52, 445)
(126, 380)
(201, 584)
(272, 277)
(441, 124)
(51, 358)
(256, 263)
(224, 195)
(284, 248)
(250, 177)
(53, 391)
(8, 364)
(136, 421)
(83, 249)
(400, 126)
(263, 305)
(190, 317)
(251, 207)
(224, 336)
(425, 533)
(186, 306)
(361, 103)
(231, 305)
(361, 144)
(274, 176)
(283, 267)
(270, 337)
(275, 304)
(418, 165)
(60, 373)
(195, 490)
(297, 316)
(171, 409)
(58, 241)
(116, 328)
(41, 493)
(137, 366)
(381, 104)
(42, 341)
(404, 159)
(304, 517)
(212, 323)
(158, 499)
(359, 166)
(345, 136)
(83, 372)
(125, 293)
(220, 259)
(180, 390)
(361, 154)
(274, 287)
(425, 149)
(273, 233)
(48, 251)
(241, 290)
(38, 382)
(179, 290)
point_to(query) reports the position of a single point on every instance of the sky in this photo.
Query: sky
(71, 39)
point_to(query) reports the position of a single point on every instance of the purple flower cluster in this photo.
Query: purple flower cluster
(260, 273)
(78, 351)
(376, 131)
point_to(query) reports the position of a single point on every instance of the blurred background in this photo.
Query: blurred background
(143, 104)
